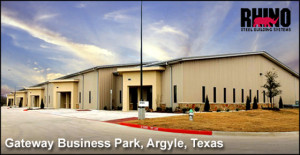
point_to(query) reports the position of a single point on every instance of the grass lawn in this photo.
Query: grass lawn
(243, 121)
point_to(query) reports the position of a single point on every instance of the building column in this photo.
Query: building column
(125, 97)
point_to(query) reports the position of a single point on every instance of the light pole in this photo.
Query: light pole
(141, 109)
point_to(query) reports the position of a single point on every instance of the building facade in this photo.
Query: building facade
(184, 82)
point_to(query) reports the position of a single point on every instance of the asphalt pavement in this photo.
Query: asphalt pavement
(35, 125)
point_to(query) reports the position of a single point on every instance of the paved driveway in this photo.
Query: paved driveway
(101, 115)
(38, 125)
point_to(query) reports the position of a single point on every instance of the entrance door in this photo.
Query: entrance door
(133, 97)
(21, 102)
(36, 101)
(65, 100)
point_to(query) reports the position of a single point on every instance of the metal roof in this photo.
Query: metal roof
(263, 53)
(177, 60)
(92, 69)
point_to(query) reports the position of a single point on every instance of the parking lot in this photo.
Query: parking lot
(75, 125)
(101, 115)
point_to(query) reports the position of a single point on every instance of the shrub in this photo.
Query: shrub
(227, 110)
(248, 103)
(280, 103)
(206, 106)
(237, 109)
(254, 103)
(197, 109)
(218, 110)
(158, 109)
(169, 109)
(42, 104)
(105, 107)
(184, 110)
(119, 107)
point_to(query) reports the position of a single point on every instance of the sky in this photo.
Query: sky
(45, 40)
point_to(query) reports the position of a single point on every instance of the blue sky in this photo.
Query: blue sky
(45, 40)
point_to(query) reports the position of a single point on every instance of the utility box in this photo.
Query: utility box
(141, 113)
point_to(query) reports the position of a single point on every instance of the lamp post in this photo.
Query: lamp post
(141, 109)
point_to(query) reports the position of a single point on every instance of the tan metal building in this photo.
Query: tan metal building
(184, 82)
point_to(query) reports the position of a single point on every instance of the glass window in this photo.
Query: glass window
(215, 94)
(257, 96)
(264, 94)
(233, 99)
(90, 97)
(242, 95)
(224, 95)
(79, 97)
(120, 96)
(175, 94)
(203, 94)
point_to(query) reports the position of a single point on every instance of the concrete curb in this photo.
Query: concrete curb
(211, 133)
(227, 133)
(167, 129)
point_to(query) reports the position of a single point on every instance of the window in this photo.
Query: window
(215, 94)
(203, 94)
(233, 95)
(79, 97)
(175, 94)
(90, 96)
(120, 96)
(224, 95)
(49, 99)
(250, 95)
(264, 94)
(242, 95)
(257, 96)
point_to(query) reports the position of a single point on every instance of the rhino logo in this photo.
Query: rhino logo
(264, 21)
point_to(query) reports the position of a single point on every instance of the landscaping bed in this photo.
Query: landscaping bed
(284, 120)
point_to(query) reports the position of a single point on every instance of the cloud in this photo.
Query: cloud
(5, 89)
(81, 5)
(119, 15)
(90, 53)
(45, 17)
(43, 46)
(159, 28)
(255, 42)
(163, 41)
(208, 24)
(19, 74)
(51, 76)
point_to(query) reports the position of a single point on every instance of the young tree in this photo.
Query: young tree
(272, 86)
(42, 104)
(206, 106)
(280, 103)
(255, 106)
(248, 103)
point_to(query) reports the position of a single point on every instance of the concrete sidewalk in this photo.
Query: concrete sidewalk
(101, 115)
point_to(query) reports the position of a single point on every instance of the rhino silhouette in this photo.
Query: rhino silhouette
(265, 21)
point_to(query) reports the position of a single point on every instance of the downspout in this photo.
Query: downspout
(98, 89)
(47, 96)
(171, 83)
(82, 91)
